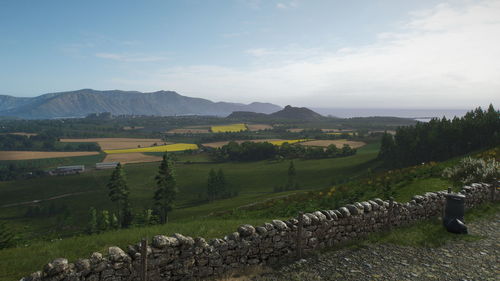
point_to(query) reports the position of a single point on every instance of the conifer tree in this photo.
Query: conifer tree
(119, 191)
(92, 221)
(128, 217)
(291, 176)
(221, 184)
(212, 185)
(166, 189)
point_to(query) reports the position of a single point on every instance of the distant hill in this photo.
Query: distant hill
(296, 113)
(9, 102)
(247, 115)
(83, 102)
(289, 113)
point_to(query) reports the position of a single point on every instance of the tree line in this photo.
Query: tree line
(441, 139)
(42, 142)
(255, 151)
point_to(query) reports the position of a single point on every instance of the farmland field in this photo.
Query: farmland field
(340, 133)
(28, 155)
(335, 131)
(128, 158)
(229, 128)
(126, 128)
(22, 134)
(295, 130)
(254, 181)
(119, 143)
(220, 144)
(160, 148)
(337, 143)
(189, 131)
(258, 127)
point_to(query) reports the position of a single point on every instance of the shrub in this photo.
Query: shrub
(471, 170)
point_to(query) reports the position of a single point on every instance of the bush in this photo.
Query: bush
(471, 170)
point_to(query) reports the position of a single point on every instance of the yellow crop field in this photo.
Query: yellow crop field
(160, 148)
(229, 128)
(341, 133)
(280, 142)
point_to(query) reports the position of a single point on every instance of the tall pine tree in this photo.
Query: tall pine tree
(221, 184)
(119, 191)
(92, 221)
(166, 189)
(212, 185)
(291, 183)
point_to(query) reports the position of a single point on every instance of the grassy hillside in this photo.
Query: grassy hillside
(254, 181)
(22, 260)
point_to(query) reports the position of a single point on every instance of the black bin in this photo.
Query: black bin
(454, 212)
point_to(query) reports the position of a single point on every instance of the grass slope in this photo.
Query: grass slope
(254, 181)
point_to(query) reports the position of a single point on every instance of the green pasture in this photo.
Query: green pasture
(254, 181)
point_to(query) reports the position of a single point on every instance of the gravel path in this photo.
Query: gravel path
(462, 260)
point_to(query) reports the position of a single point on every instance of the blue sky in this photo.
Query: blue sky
(306, 52)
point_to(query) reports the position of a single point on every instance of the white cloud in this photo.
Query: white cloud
(442, 57)
(130, 57)
(287, 5)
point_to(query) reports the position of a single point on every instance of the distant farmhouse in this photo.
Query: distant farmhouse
(67, 170)
(106, 165)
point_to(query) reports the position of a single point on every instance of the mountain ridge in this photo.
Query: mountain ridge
(82, 102)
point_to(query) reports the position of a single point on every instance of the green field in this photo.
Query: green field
(22, 260)
(254, 181)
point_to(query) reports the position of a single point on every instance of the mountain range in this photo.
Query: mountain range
(86, 101)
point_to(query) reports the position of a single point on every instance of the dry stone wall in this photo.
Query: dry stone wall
(184, 258)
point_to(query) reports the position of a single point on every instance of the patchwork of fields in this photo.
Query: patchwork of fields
(119, 143)
(258, 127)
(129, 158)
(160, 148)
(229, 128)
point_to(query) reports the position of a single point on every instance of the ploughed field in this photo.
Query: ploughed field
(258, 127)
(159, 148)
(130, 150)
(129, 158)
(119, 143)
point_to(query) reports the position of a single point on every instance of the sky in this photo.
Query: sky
(317, 53)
